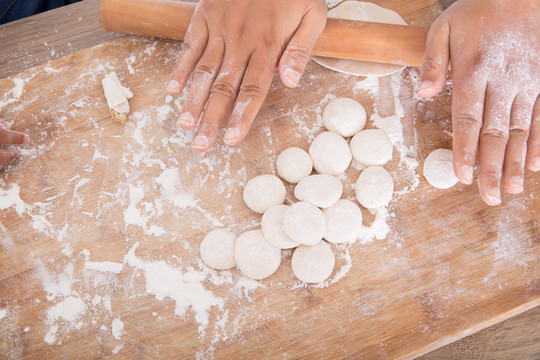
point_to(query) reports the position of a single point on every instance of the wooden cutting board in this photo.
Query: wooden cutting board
(89, 190)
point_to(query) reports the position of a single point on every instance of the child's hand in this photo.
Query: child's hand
(9, 153)
(494, 50)
(233, 48)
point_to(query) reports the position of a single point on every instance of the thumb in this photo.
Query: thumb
(436, 59)
(296, 55)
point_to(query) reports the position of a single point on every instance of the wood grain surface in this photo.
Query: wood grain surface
(454, 268)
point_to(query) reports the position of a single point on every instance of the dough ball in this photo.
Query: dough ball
(321, 190)
(304, 223)
(313, 263)
(371, 147)
(330, 153)
(374, 187)
(217, 249)
(256, 258)
(344, 116)
(343, 222)
(272, 228)
(439, 169)
(293, 164)
(264, 191)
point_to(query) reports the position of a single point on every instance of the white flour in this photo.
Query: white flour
(185, 288)
(156, 202)
(174, 188)
(117, 328)
(15, 94)
(105, 266)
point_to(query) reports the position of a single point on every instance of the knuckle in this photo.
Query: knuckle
(252, 90)
(519, 134)
(515, 164)
(224, 89)
(467, 122)
(188, 46)
(431, 63)
(495, 134)
(298, 53)
(493, 173)
(205, 70)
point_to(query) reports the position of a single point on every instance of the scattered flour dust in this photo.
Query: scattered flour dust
(105, 266)
(185, 288)
(15, 94)
(117, 328)
(183, 285)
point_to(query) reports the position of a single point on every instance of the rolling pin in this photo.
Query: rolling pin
(344, 39)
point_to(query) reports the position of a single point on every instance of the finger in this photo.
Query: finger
(222, 97)
(296, 55)
(193, 47)
(436, 57)
(7, 156)
(467, 112)
(9, 137)
(492, 144)
(516, 149)
(257, 81)
(533, 144)
(203, 78)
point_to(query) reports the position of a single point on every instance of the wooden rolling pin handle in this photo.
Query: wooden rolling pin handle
(161, 18)
(344, 39)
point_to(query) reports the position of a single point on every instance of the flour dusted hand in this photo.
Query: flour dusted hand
(494, 50)
(233, 49)
(8, 138)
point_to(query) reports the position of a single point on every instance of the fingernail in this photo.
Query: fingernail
(185, 120)
(231, 135)
(516, 182)
(467, 174)
(425, 87)
(173, 86)
(536, 164)
(200, 143)
(26, 139)
(291, 77)
(493, 197)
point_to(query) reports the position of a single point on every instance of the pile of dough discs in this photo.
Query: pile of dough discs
(320, 217)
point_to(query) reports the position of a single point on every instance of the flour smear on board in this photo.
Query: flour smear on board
(155, 198)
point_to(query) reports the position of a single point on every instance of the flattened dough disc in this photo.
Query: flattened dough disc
(362, 11)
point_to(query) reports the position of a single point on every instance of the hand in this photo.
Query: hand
(494, 50)
(7, 137)
(233, 48)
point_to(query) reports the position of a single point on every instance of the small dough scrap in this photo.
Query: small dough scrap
(371, 147)
(117, 97)
(304, 223)
(343, 222)
(293, 164)
(321, 190)
(374, 187)
(439, 169)
(272, 228)
(255, 257)
(264, 191)
(313, 263)
(330, 153)
(217, 249)
(344, 116)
